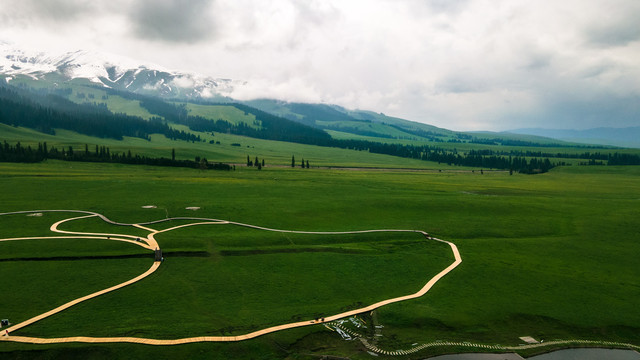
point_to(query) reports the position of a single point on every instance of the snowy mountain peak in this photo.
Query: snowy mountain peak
(110, 71)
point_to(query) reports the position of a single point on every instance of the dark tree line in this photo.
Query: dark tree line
(528, 153)
(623, 159)
(255, 163)
(430, 135)
(512, 142)
(28, 154)
(357, 131)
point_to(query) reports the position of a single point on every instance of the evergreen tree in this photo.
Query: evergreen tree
(257, 162)
(307, 164)
(173, 154)
(262, 161)
(302, 163)
(293, 161)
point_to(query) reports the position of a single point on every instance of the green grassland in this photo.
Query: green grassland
(553, 256)
(232, 291)
(382, 129)
(117, 104)
(220, 112)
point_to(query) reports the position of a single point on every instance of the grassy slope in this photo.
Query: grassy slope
(543, 255)
(115, 103)
(219, 112)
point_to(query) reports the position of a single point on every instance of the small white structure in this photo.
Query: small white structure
(528, 339)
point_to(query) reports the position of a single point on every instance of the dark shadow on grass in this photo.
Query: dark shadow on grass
(102, 257)
(290, 250)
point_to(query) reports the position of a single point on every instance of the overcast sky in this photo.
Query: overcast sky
(458, 64)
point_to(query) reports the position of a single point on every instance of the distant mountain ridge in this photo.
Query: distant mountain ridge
(111, 71)
(624, 137)
(86, 70)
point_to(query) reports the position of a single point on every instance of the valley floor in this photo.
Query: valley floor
(550, 256)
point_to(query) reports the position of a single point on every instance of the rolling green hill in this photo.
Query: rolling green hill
(224, 132)
(351, 124)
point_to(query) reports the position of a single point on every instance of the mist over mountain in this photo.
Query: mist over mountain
(111, 71)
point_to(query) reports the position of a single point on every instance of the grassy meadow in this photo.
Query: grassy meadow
(553, 256)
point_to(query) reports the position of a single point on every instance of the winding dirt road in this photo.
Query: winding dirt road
(152, 244)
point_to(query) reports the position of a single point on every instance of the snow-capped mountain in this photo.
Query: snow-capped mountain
(110, 71)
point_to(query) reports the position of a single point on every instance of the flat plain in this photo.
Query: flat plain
(553, 256)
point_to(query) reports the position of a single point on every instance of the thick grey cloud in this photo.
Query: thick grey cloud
(173, 20)
(619, 34)
(618, 25)
(28, 12)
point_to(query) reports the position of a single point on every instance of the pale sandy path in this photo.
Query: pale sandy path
(78, 237)
(13, 328)
(102, 236)
(153, 245)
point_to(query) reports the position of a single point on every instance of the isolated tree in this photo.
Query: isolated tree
(257, 162)
(248, 161)
(302, 163)
(293, 161)
(262, 162)
(173, 154)
(481, 172)
(259, 166)
(307, 164)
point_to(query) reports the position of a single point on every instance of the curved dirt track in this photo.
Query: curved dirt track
(153, 268)
(152, 245)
